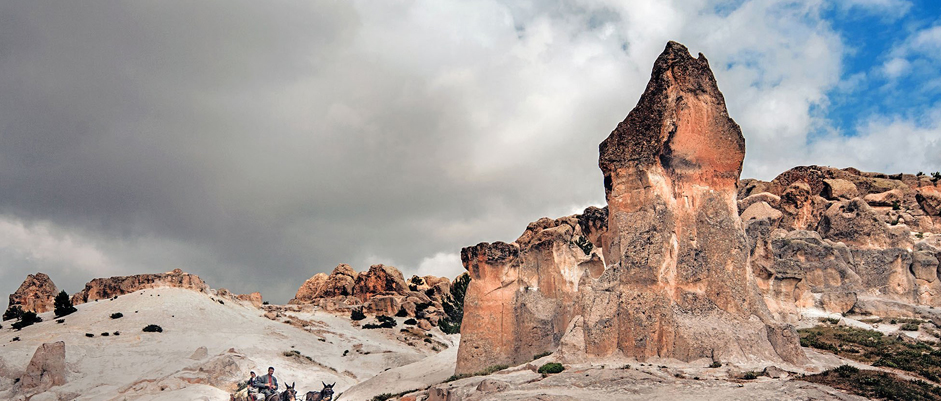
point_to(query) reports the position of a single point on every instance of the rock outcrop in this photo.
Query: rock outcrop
(382, 290)
(46, 369)
(522, 295)
(104, 288)
(663, 271)
(37, 293)
(841, 235)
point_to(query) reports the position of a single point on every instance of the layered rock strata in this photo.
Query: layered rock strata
(843, 240)
(37, 294)
(104, 288)
(381, 290)
(672, 278)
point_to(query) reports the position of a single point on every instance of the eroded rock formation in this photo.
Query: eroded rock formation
(829, 238)
(104, 288)
(381, 290)
(672, 276)
(36, 294)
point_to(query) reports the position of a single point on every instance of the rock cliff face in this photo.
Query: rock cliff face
(672, 277)
(382, 290)
(842, 240)
(36, 294)
(523, 295)
(103, 288)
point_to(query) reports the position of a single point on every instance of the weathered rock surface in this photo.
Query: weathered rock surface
(522, 295)
(672, 277)
(104, 288)
(863, 235)
(46, 369)
(382, 290)
(254, 298)
(37, 293)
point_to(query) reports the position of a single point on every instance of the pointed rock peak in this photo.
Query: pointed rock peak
(680, 127)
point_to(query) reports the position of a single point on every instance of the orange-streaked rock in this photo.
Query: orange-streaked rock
(104, 288)
(37, 293)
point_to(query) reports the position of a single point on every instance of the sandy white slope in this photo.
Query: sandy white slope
(158, 366)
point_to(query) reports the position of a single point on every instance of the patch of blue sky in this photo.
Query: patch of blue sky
(891, 65)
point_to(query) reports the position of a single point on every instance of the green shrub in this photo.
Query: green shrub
(896, 205)
(551, 367)
(454, 305)
(89, 335)
(153, 328)
(117, 315)
(715, 364)
(909, 327)
(846, 370)
(584, 244)
(750, 376)
(26, 319)
(13, 312)
(357, 314)
(63, 305)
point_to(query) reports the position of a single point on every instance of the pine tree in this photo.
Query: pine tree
(63, 305)
(454, 306)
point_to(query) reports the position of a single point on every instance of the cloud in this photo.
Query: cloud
(256, 144)
(896, 67)
(888, 9)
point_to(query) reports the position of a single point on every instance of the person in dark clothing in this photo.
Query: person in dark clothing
(267, 384)
(251, 385)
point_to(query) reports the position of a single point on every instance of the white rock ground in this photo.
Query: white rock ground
(238, 337)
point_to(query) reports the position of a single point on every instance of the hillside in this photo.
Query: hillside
(237, 337)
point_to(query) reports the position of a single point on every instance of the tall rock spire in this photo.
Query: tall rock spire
(675, 249)
(672, 277)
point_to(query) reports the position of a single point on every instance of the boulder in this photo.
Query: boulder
(37, 293)
(104, 288)
(379, 279)
(46, 369)
(888, 198)
(929, 198)
(835, 189)
(761, 210)
(253, 298)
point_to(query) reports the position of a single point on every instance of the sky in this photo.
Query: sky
(258, 143)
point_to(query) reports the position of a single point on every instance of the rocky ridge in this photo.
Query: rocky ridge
(842, 240)
(381, 290)
(104, 288)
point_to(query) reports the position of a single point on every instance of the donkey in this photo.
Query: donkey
(289, 394)
(323, 395)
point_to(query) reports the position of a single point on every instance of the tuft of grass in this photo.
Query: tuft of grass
(550, 368)
(715, 364)
(750, 376)
(875, 385)
(542, 355)
(153, 328)
(117, 315)
(873, 347)
(487, 371)
(909, 327)
(89, 335)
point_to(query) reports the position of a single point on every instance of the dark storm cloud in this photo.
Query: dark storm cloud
(258, 143)
(254, 143)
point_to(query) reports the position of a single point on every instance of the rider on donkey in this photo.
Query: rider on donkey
(266, 385)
